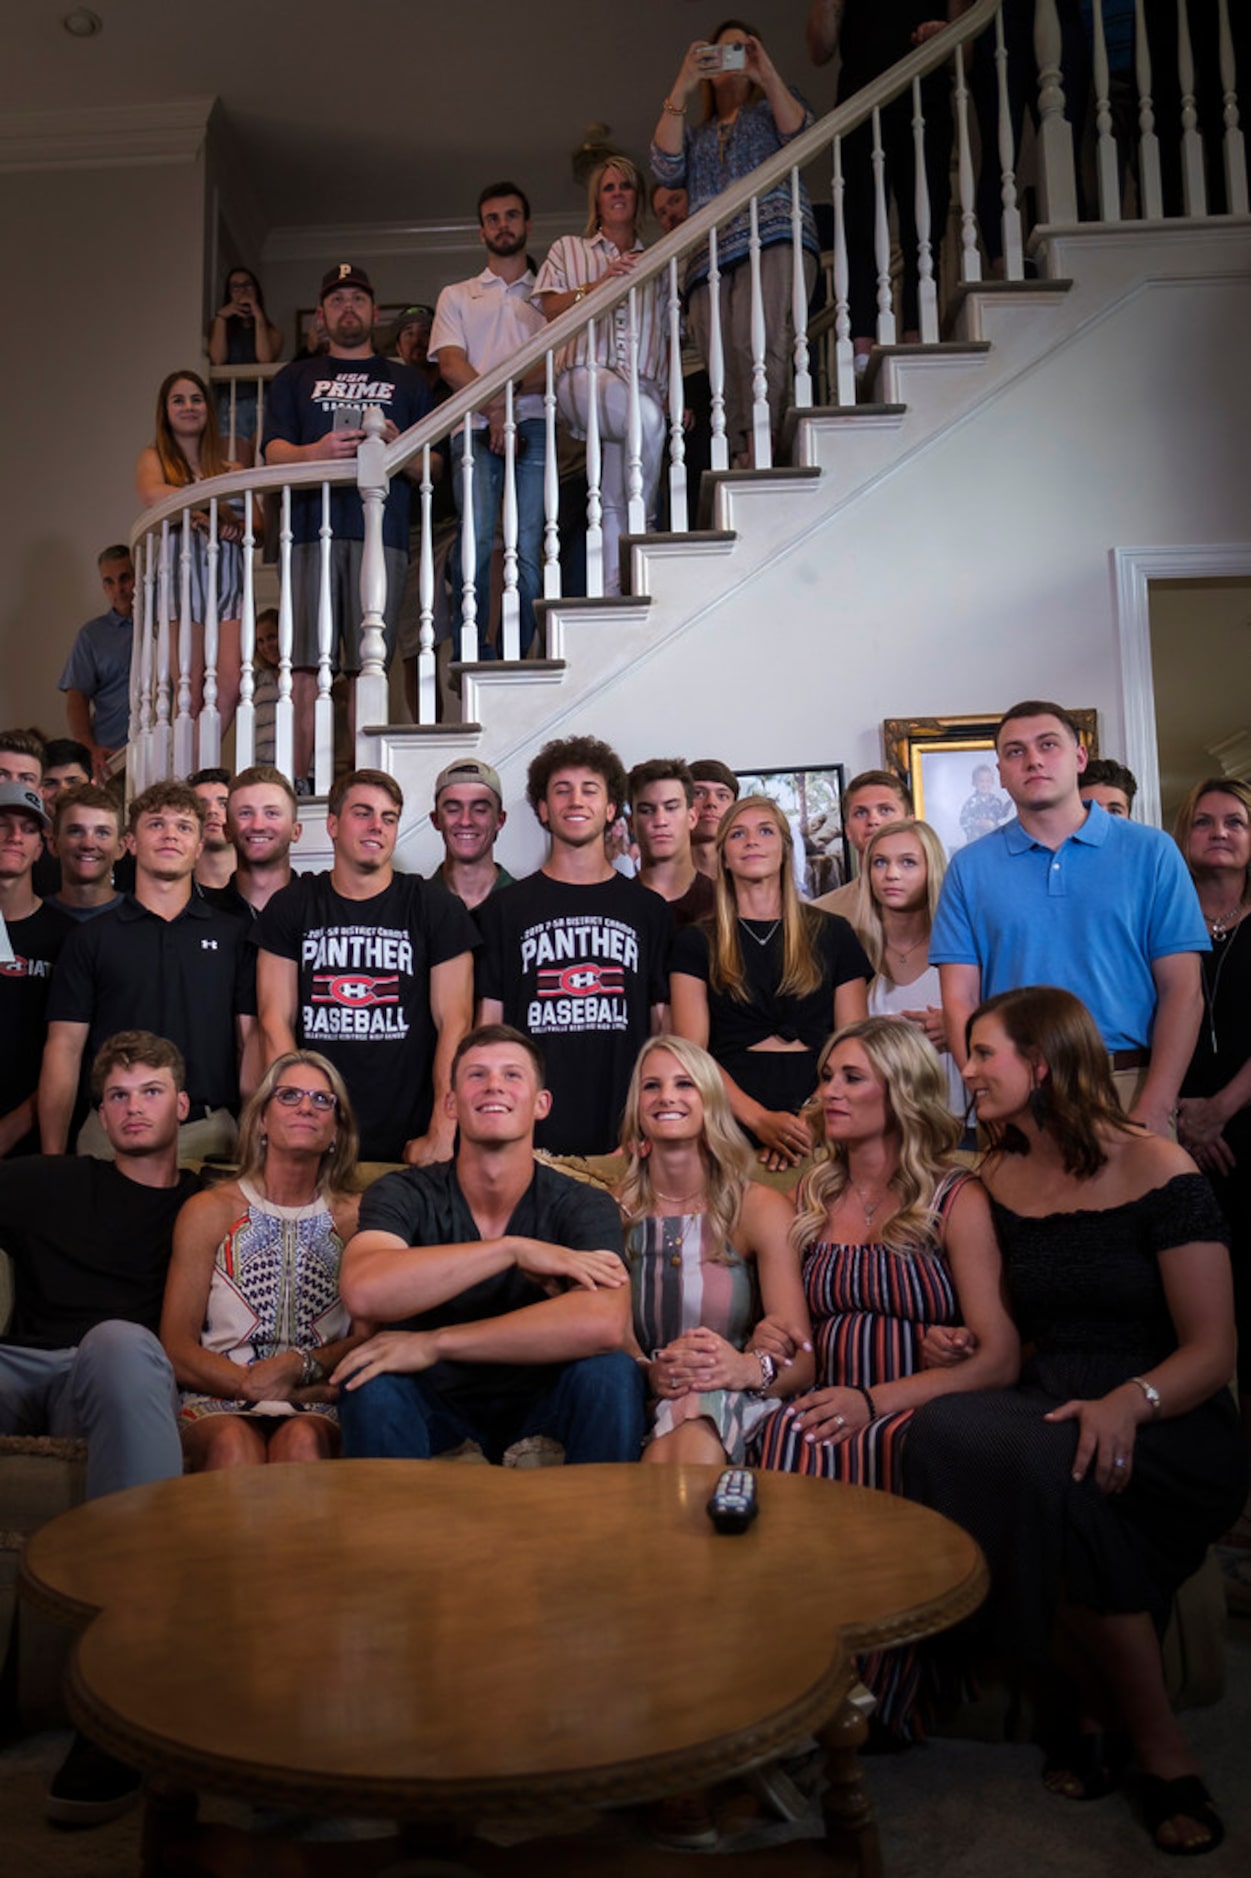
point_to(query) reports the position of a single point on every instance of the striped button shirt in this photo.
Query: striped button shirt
(579, 261)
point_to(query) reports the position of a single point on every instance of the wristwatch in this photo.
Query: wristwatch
(768, 1372)
(314, 1370)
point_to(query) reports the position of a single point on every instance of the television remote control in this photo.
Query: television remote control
(732, 1507)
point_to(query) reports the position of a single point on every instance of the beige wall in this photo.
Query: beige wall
(102, 299)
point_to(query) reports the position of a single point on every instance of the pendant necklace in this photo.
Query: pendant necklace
(755, 935)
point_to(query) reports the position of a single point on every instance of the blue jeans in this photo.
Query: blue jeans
(488, 502)
(115, 1388)
(594, 1409)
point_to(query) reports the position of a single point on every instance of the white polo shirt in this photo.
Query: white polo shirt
(488, 319)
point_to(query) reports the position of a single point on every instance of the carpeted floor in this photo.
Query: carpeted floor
(951, 1809)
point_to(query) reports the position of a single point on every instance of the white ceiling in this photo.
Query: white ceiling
(387, 110)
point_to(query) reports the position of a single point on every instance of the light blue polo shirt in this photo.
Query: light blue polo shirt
(1092, 916)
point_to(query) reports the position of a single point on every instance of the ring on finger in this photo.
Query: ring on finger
(1118, 1461)
(840, 1421)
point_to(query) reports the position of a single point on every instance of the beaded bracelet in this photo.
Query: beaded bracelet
(868, 1400)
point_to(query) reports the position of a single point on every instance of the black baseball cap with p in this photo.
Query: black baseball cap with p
(345, 274)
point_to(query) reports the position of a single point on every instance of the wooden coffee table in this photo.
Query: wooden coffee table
(427, 1642)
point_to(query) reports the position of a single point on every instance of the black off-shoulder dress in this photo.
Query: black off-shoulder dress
(1086, 1292)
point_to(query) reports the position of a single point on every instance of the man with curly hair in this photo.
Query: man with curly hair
(576, 956)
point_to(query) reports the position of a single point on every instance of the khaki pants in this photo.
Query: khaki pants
(214, 1133)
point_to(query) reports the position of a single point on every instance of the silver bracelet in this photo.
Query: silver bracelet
(1150, 1391)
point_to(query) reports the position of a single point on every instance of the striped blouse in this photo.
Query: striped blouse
(575, 261)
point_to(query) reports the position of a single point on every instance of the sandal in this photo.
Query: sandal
(1084, 1767)
(1186, 1797)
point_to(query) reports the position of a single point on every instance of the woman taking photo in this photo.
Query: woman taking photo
(241, 333)
(609, 250)
(764, 981)
(253, 1322)
(709, 1255)
(1213, 831)
(187, 450)
(746, 113)
(901, 876)
(896, 1238)
(1096, 1487)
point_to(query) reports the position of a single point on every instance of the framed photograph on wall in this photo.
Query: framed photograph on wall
(949, 765)
(812, 802)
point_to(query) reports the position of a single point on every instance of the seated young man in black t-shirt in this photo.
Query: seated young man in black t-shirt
(503, 1282)
(90, 1243)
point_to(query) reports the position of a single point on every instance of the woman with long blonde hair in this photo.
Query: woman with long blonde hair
(709, 1258)
(762, 983)
(253, 1322)
(187, 449)
(896, 1237)
(901, 876)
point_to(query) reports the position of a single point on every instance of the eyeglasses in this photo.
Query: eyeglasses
(291, 1097)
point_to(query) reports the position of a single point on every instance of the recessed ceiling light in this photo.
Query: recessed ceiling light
(82, 23)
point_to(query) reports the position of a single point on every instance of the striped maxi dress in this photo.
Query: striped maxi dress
(870, 1308)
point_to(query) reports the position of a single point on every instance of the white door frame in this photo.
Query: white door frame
(1133, 569)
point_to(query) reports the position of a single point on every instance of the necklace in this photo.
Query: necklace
(747, 928)
(1220, 925)
(905, 952)
(1210, 991)
(868, 1210)
(680, 1199)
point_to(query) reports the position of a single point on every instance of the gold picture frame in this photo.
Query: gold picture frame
(936, 757)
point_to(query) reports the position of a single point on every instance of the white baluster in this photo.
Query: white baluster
(970, 255)
(284, 710)
(371, 480)
(678, 515)
(927, 292)
(162, 735)
(1013, 250)
(881, 239)
(245, 716)
(142, 549)
(716, 359)
(594, 471)
(636, 513)
(184, 724)
(323, 707)
(143, 653)
(468, 549)
(762, 442)
(510, 610)
(1105, 142)
(844, 356)
(1194, 189)
(1150, 193)
(210, 727)
(551, 493)
(1057, 183)
(799, 301)
(1235, 154)
(426, 708)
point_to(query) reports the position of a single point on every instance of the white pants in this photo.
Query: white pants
(573, 400)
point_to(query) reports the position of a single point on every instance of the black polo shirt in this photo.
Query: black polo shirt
(186, 979)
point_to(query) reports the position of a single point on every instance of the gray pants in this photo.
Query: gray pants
(115, 1389)
(776, 293)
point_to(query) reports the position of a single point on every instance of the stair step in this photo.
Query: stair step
(794, 417)
(579, 604)
(943, 349)
(746, 479)
(551, 668)
(674, 540)
(992, 290)
(419, 733)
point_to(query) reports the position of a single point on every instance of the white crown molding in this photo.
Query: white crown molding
(1133, 569)
(313, 242)
(104, 136)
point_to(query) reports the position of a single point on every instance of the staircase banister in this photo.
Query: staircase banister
(602, 298)
(607, 294)
(266, 480)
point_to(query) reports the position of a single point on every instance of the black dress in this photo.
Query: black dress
(1086, 1292)
(1223, 1046)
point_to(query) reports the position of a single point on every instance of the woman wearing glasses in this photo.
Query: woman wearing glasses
(253, 1322)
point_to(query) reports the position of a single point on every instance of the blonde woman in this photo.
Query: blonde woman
(609, 250)
(709, 1257)
(896, 1237)
(253, 1322)
(901, 876)
(762, 984)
